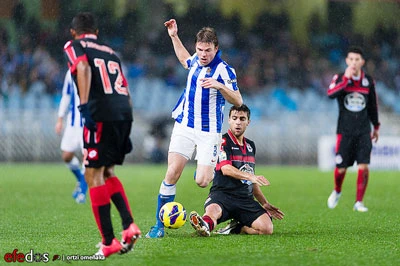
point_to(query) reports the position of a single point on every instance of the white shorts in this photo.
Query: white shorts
(186, 140)
(72, 140)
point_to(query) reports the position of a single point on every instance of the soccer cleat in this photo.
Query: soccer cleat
(333, 199)
(129, 238)
(198, 224)
(76, 190)
(80, 198)
(155, 232)
(359, 207)
(229, 229)
(106, 251)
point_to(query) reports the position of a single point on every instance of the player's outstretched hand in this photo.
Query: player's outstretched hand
(260, 180)
(87, 118)
(274, 211)
(375, 135)
(172, 27)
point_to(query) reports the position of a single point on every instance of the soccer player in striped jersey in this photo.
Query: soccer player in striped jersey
(106, 109)
(198, 113)
(354, 91)
(72, 140)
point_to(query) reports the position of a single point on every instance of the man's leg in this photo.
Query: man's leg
(339, 174)
(100, 199)
(261, 226)
(204, 175)
(131, 231)
(362, 182)
(167, 191)
(206, 223)
(74, 166)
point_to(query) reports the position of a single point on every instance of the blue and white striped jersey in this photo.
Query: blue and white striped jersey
(203, 109)
(69, 102)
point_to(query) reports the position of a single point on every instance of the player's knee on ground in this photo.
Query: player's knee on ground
(263, 225)
(267, 229)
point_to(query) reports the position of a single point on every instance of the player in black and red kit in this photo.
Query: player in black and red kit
(235, 185)
(106, 111)
(355, 93)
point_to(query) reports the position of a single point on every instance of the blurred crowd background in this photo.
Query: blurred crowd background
(285, 53)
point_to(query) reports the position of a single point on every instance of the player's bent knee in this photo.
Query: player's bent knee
(202, 183)
(267, 230)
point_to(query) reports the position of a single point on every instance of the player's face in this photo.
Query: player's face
(355, 61)
(238, 122)
(206, 52)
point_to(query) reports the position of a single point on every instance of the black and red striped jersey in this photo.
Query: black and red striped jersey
(358, 103)
(109, 98)
(241, 157)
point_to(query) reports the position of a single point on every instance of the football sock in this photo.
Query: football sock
(166, 194)
(362, 182)
(339, 177)
(118, 197)
(101, 210)
(74, 166)
(209, 221)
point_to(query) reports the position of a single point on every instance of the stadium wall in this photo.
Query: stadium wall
(289, 139)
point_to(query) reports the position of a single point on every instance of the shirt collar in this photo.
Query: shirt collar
(87, 35)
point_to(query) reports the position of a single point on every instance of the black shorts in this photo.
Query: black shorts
(243, 210)
(108, 145)
(353, 148)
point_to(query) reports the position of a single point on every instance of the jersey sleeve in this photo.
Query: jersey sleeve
(337, 85)
(224, 154)
(190, 60)
(373, 106)
(66, 95)
(74, 53)
(227, 76)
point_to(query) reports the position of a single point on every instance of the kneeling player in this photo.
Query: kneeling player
(235, 186)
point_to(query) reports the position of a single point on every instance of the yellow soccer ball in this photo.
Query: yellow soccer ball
(173, 215)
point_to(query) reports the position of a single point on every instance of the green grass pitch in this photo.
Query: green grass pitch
(38, 213)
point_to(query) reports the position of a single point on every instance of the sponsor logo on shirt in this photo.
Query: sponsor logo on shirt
(222, 156)
(355, 102)
(365, 82)
(248, 169)
(249, 148)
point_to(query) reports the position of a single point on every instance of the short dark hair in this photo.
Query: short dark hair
(242, 108)
(356, 50)
(84, 22)
(207, 35)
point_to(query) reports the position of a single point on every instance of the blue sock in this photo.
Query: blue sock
(81, 179)
(166, 194)
(78, 174)
(162, 199)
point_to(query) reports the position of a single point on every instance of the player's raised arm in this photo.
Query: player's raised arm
(181, 53)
